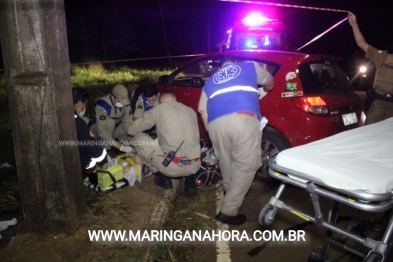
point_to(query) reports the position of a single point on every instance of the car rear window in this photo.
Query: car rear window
(272, 68)
(323, 77)
(205, 67)
(202, 68)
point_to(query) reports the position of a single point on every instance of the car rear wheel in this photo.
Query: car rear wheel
(273, 142)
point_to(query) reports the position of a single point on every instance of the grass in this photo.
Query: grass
(98, 81)
(95, 75)
(10, 195)
(186, 214)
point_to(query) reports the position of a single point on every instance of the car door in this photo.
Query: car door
(187, 83)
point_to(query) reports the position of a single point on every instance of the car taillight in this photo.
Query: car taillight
(311, 104)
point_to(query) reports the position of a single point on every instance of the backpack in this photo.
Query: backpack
(120, 172)
(110, 179)
(135, 169)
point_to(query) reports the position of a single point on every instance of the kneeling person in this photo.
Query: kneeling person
(146, 101)
(113, 115)
(90, 153)
(177, 131)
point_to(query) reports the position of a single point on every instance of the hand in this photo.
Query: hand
(126, 149)
(127, 110)
(91, 133)
(351, 18)
(263, 123)
(261, 92)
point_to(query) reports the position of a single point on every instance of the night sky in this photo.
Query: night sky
(107, 30)
(120, 29)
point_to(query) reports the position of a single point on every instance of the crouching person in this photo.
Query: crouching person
(177, 136)
(113, 115)
(90, 153)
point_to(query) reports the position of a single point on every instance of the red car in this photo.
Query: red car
(312, 97)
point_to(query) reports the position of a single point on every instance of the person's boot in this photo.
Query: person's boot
(233, 220)
(162, 181)
(190, 188)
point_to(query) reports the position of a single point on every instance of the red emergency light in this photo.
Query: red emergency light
(255, 19)
(256, 31)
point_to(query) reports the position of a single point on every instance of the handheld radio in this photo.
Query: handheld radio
(169, 157)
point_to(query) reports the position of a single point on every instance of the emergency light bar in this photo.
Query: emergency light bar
(255, 19)
(260, 28)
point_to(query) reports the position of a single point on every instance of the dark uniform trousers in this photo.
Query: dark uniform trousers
(379, 110)
(383, 85)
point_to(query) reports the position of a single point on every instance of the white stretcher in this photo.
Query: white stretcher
(354, 168)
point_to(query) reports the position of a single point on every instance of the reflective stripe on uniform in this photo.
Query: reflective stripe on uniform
(95, 160)
(234, 88)
(183, 160)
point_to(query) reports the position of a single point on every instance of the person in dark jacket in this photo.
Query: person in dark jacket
(91, 153)
(382, 107)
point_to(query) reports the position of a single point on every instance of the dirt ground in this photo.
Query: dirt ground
(130, 208)
(143, 206)
(146, 207)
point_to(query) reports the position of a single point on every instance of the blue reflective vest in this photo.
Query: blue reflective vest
(232, 89)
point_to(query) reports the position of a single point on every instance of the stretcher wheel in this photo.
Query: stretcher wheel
(373, 257)
(316, 256)
(265, 218)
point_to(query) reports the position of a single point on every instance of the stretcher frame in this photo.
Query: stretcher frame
(376, 203)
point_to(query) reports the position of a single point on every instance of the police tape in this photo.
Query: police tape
(137, 59)
(323, 33)
(133, 59)
(286, 5)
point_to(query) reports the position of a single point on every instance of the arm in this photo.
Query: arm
(204, 117)
(127, 117)
(139, 108)
(264, 78)
(202, 108)
(356, 32)
(103, 120)
(269, 83)
(146, 122)
(86, 145)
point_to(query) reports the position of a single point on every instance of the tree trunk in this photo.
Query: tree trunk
(37, 71)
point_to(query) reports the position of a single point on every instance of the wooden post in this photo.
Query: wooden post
(37, 71)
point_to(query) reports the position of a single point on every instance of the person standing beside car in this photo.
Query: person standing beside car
(382, 107)
(230, 111)
(113, 115)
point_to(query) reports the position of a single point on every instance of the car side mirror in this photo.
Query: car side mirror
(164, 80)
